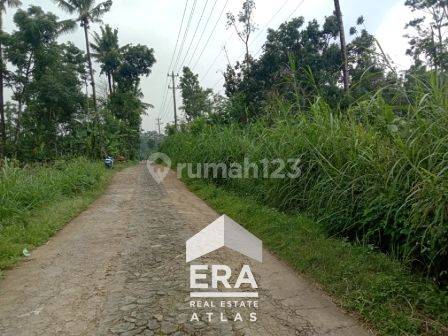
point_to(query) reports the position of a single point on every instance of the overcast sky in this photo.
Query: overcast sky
(156, 23)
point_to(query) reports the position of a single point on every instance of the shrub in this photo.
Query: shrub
(368, 174)
(25, 189)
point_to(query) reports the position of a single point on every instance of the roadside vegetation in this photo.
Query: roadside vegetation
(59, 122)
(367, 215)
(384, 292)
(380, 182)
(38, 200)
(364, 189)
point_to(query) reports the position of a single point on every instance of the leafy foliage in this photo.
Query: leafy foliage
(106, 51)
(52, 117)
(87, 11)
(136, 61)
(196, 100)
(429, 44)
(301, 62)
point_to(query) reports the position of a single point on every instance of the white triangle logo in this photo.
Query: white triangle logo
(224, 232)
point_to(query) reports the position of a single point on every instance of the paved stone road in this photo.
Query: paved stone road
(119, 269)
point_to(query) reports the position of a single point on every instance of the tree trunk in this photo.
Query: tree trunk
(89, 61)
(247, 53)
(19, 116)
(338, 14)
(109, 80)
(2, 100)
(96, 151)
(21, 100)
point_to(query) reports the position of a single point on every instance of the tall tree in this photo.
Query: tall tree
(25, 48)
(3, 5)
(338, 14)
(430, 43)
(106, 51)
(247, 26)
(196, 100)
(126, 103)
(135, 62)
(300, 62)
(88, 12)
(46, 83)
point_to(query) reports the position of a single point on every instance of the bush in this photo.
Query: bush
(36, 201)
(25, 189)
(368, 174)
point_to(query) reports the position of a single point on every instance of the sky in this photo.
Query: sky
(157, 24)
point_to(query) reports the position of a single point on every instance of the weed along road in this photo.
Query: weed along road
(120, 268)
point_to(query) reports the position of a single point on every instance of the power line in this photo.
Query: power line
(260, 49)
(256, 37)
(217, 82)
(172, 58)
(203, 31)
(266, 25)
(270, 21)
(195, 32)
(295, 10)
(162, 109)
(168, 107)
(185, 35)
(211, 34)
(212, 64)
(167, 114)
(165, 107)
(289, 16)
(216, 58)
(178, 34)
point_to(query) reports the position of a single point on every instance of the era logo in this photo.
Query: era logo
(220, 274)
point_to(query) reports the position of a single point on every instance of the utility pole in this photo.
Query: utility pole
(174, 87)
(158, 124)
(227, 55)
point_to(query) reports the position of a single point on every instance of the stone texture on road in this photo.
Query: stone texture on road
(119, 269)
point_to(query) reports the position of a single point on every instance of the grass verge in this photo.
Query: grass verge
(381, 290)
(39, 217)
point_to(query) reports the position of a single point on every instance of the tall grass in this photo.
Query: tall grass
(370, 174)
(36, 200)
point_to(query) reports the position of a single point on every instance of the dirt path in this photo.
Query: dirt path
(119, 269)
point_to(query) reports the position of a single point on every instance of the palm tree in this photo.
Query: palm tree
(107, 52)
(338, 14)
(3, 5)
(87, 11)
